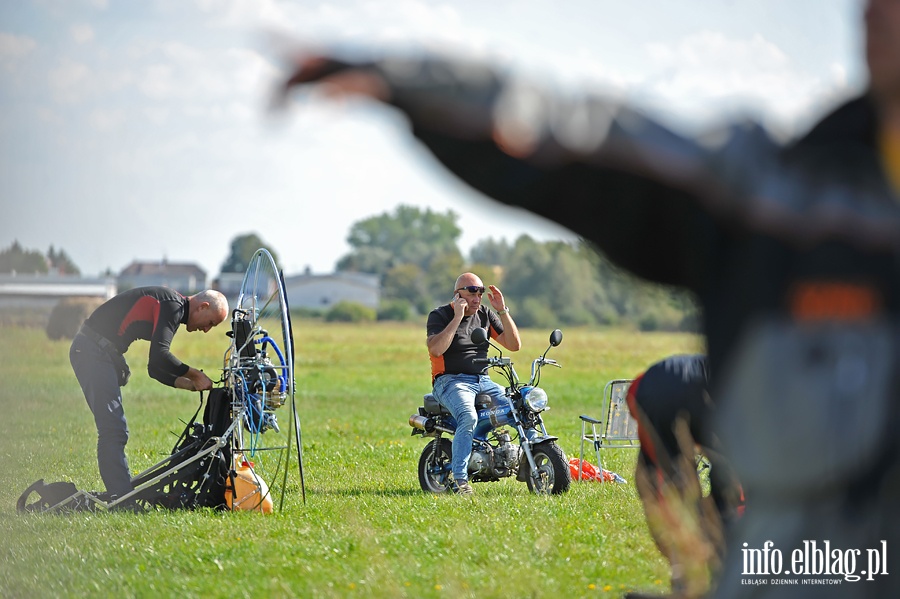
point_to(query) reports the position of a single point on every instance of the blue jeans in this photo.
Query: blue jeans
(456, 392)
(100, 383)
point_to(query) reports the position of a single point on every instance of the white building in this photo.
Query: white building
(317, 292)
(323, 291)
(43, 291)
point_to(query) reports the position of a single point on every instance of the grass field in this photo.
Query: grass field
(366, 530)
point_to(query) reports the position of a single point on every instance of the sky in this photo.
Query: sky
(141, 131)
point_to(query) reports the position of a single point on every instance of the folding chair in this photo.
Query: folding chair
(618, 430)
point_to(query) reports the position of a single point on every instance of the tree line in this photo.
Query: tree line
(415, 253)
(16, 259)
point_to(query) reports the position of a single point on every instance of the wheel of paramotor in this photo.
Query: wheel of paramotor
(434, 466)
(553, 468)
(259, 372)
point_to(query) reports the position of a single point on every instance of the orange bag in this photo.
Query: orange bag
(591, 472)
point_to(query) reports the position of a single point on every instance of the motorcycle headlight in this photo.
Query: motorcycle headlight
(535, 398)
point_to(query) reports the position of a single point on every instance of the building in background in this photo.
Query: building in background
(186, 278)
(320, 292)
(42, 291)
(314, 292)
(38, 294)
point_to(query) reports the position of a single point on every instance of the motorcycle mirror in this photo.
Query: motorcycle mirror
(479, 336)
(555, 337)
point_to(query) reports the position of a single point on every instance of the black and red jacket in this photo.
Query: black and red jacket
(150, 313)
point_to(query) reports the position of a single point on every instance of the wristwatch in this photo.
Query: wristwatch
(505, 310)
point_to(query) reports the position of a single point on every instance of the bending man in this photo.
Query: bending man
(671, 403)
(97, 357)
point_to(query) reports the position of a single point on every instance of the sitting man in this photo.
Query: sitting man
(670, 402)
(455, 375)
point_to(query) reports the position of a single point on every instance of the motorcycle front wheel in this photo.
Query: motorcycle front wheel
(434, 466)
(553, 469)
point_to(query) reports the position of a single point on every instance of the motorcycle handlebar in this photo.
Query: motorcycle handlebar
(501, 361)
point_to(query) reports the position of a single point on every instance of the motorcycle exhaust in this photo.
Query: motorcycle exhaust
(427, 424)
(422, 423)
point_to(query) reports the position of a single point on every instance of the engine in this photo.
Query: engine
(493, 462)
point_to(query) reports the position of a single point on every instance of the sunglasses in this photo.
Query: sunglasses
(473, 289)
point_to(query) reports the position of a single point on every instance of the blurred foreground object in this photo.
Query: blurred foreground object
(793, 253)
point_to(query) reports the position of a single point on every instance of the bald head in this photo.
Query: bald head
(465, 287)
(207, 309)
(466, 279)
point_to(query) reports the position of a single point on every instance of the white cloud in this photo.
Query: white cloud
(158, 82)
(107, 120)
(738, 75)
(178, 87)
(188, 57)
(66, 80)
(14, 48)
(713, 50)
(82, 33)
(156, 115)
(48, 116)
(245, 13)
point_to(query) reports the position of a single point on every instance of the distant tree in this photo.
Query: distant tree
(490, 251)
(397, 310)
(60, 262)
(373, 260)
(18, 260)
(440, 274)
(548, 284)
(409, 235)
(406, 282)
(347, 311)
(68, 314)
(242, 249)
(559, 283)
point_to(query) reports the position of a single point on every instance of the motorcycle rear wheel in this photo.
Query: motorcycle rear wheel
(434, 466)
(553, 469)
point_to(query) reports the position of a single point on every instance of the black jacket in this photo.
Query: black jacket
(793, 253)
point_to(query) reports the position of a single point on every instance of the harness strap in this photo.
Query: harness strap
(104, 343)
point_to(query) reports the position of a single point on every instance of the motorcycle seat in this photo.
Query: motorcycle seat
(433, 407)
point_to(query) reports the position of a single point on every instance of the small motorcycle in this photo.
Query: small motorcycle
(528, 452)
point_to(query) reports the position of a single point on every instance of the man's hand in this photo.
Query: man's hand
(337, 78)
(460, 305)
(202, 382)
(496, 298)
(194, 380)
(509, 338)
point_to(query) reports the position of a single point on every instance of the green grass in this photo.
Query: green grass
(366, 530)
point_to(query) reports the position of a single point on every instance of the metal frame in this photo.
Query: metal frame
(616, 430)
(182, 457)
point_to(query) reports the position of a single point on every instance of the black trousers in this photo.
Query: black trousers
(99, 381)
